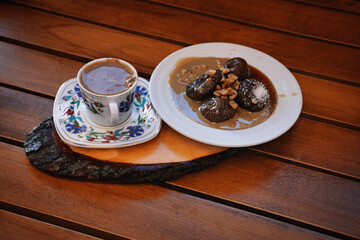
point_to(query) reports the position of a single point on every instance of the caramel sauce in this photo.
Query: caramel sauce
(187, 69)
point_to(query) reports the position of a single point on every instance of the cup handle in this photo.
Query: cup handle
(114, 112)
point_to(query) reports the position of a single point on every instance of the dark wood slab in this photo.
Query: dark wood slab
(47, 152)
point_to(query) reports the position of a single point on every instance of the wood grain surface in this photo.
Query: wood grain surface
(304, 20)
(253, 180)
(132, 211)
(302, 185)
(65, 35)
(170, 143)
(351, 6)
(14, 226)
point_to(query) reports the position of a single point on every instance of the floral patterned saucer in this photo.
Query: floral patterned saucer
(75, 128)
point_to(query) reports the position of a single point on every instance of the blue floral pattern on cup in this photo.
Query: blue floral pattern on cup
(125, 106)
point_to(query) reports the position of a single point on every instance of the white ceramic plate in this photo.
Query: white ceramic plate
(285, 115)
(75, 128)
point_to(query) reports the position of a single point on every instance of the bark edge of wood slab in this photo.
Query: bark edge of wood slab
(48, 153)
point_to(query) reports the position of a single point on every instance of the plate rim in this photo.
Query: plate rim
(186, 52)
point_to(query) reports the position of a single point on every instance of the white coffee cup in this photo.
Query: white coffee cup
(99, 81)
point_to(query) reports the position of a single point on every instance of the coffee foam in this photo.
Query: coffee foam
(110, 76)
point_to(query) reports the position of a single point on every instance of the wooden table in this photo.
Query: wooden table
(302, 185)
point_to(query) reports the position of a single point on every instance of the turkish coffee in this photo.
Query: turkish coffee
(108, 78)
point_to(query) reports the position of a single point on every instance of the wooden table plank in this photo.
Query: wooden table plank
(135, 211)
(35, 71)
(352, 6)
(66, 35)
(291, 17)
(82, 39)
(14, 226)
(319, 144)
(21, 112)
(306, 195)
(330, 100)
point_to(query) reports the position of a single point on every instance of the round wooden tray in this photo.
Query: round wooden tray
(168, 156)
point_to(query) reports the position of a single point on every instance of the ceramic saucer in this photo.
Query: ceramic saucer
(75, 128)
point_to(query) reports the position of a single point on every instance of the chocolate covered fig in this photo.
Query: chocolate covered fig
(252, 95)
(203, 86)
(239, 67)
(217, 109)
